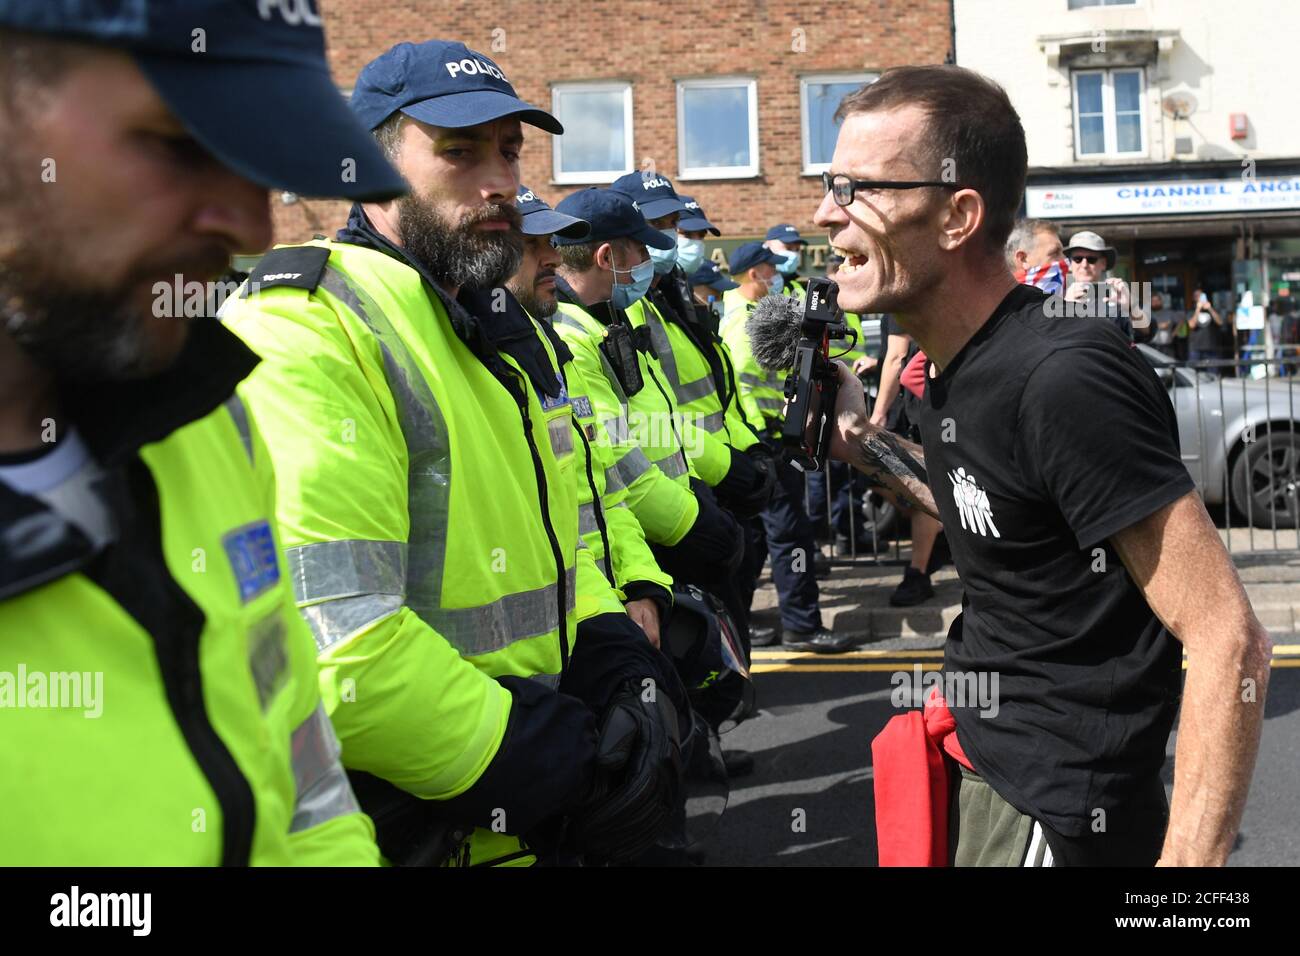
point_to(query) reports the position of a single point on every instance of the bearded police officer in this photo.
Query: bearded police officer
(136, 496)
(471, 652)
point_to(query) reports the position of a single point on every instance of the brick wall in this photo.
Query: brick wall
(538, 42)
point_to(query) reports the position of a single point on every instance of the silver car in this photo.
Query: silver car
(1238, 434)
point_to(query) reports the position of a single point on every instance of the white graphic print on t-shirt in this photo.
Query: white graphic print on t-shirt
(972, 504)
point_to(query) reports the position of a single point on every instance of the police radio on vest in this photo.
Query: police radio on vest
(472, 67)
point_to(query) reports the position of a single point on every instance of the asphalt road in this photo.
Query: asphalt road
(809, 801)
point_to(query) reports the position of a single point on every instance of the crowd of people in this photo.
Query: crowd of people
(1185, 325)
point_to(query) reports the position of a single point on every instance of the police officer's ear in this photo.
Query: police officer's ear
(603, 257)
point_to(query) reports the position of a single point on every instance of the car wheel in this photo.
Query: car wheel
(1265, 478)
(880, 516)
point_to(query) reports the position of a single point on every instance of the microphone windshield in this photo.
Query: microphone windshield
(773, 329)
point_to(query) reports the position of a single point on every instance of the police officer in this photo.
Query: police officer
(693, 228)
(606, 523)
(708, 283)
(428, 501)
(685, 352)
(697, 369)
(140, 579)
(784, 240)
(786, 526)
(693, 539)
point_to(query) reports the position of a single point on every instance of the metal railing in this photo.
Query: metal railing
(882, 522)
(1242, 451)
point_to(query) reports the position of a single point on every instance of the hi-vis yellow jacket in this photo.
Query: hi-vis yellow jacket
(762, 393)
(648, 455)
(606, 523)
(158, 690)
(429, 511)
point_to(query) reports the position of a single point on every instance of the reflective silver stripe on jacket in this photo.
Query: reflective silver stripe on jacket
(711, 423)
(613, 480)
(560, 431)
(770, 380)
(587, 518)
(343, 587)
(674, 465)
(515, 617)
(633, 465)
(323, 791)
(330, 570)
(617, 429)
(564, 318)
(333, 622)
(776, 405)
(684, 391)
(235, 405)
(472, 631)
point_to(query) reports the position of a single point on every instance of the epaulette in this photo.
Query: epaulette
(293, 267)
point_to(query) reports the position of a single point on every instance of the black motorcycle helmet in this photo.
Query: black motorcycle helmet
(704, 645)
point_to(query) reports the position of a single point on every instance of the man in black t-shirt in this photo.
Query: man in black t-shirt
(1051, 456)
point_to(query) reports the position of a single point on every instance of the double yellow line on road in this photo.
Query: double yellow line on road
(886, 661)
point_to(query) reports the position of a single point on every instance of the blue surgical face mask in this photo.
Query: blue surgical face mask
(791, 264)
(665, 259)
(690, 254)
(623, 295)
(776, 283)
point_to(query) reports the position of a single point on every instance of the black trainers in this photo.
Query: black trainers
(915, 588)
(820, 641)
(762, 636)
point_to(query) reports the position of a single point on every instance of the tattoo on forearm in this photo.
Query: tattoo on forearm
(889, 462)
(874, 480)
(896, 459)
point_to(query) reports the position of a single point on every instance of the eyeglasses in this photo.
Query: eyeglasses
(842, 186)
(1091, 260)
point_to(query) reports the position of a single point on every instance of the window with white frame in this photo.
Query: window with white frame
(597, 143)
(717, 128)
(1109, 116)
(819, 97)
(1080, 4)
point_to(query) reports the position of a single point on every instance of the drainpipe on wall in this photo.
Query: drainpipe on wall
(951, 58)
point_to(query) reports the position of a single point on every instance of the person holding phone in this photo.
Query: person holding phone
(1090, 260)
(1206, 327)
